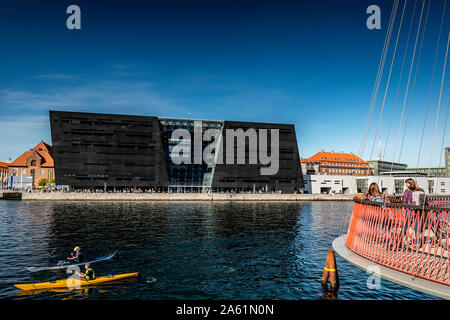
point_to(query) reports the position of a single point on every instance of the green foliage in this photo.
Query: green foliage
(42, 182)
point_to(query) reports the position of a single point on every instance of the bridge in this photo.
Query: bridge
(406, 244)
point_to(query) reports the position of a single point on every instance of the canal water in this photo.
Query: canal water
(184, 250)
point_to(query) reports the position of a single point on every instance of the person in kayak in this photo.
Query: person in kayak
(78, 257)
(89, 275)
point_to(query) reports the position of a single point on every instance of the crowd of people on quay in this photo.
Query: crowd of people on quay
(85, 190)
(66, 189)
(411, 194)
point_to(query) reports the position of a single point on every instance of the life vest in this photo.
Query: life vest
(93, 274)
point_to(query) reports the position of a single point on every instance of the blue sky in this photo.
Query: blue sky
(309, 63)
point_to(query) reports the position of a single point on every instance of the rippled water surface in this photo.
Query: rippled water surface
(184, 250)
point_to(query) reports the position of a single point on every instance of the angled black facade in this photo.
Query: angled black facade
(93, 150)
(248, 176)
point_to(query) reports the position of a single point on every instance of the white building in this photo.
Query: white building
(4, 175)
(21, 182)
(316, 184)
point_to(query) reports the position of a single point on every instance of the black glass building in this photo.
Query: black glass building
(93, 150)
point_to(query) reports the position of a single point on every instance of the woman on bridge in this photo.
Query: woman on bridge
(412, 193)
(373, 193)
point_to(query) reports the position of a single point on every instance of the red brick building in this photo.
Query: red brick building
(4, 174)
(37, 162)
(335, 163)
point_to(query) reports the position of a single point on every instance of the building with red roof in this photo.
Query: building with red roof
(37, 163)
(336, 163)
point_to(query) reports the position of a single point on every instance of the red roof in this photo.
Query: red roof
(42, 146)
(42, 149)
(334, 156)
(4, 165)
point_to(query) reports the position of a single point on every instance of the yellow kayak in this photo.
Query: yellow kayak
(73, 283)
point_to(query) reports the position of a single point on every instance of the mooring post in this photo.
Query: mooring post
(330, 271)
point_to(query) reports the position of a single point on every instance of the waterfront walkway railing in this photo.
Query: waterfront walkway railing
(411, 239)
(440, 201)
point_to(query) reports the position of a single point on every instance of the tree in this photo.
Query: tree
(42, 182)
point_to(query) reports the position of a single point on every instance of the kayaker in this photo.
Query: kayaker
(89, 275)
(78, 257)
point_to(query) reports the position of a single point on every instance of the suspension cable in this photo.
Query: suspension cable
(388, 80)
(439, 105)
(407, 86)
(445, 130)
(414, 82)
(378, 78)
(400, 78)
(431, 83)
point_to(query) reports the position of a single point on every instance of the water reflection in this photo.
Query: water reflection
(329, 293)
(81, 293)
(194, 250)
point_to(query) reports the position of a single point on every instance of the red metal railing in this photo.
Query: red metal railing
(410, 239)
(438, 201)
(430, 200)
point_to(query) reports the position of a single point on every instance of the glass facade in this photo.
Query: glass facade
(189, 175)
(399, 186)
(362, 185)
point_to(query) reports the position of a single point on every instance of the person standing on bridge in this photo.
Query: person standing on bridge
(412, 193)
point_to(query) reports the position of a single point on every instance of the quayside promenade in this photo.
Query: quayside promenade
(55, 196)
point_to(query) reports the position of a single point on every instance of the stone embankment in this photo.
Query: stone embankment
(181, 197)
(10, 195)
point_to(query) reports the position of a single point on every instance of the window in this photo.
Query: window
(24, 171)
(42, 172)
(33, 163)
